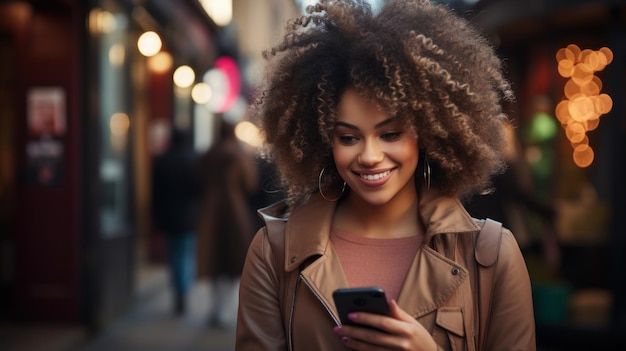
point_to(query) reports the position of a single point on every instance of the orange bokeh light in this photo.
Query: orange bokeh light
(583, 155)
(581, 110)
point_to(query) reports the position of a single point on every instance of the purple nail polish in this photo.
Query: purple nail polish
(352, 315)
(344, 339)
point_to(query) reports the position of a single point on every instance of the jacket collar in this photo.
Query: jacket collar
(308, 228)
(444, 214)
(308, 231)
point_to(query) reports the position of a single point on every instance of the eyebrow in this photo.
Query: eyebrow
(378, 125)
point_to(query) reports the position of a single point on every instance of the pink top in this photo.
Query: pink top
(375, 262)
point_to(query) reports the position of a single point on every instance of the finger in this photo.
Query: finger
(399, 313)
(356, 344)
(372, 320)
(357, 338)
(364, 339)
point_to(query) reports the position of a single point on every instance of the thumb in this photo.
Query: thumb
(399, 313)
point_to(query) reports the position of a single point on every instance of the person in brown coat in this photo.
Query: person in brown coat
(226, 223)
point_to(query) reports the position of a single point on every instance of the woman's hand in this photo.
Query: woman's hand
(398, 332)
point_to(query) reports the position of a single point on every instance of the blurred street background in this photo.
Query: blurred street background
(149, 325)
(91, 91)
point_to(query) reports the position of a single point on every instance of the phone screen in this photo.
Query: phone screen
(367, 299)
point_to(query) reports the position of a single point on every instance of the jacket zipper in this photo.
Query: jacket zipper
(291, 312)
(328, 309)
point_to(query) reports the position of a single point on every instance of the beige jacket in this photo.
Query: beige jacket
(292, 308)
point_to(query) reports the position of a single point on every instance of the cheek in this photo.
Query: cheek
(340, 155)
(409, 154)
(343, 159)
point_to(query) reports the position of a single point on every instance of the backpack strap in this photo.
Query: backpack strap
(487, 249)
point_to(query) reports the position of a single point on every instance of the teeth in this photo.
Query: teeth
(375, 176)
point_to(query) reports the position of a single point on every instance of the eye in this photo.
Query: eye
(390, 136)
(347, 139)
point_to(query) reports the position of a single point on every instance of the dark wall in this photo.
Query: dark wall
(47, 216)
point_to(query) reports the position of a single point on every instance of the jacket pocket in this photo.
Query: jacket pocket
(450, 330)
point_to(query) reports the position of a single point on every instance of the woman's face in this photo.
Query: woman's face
(373, 152)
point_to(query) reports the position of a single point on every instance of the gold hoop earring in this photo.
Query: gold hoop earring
(319, 186)
(426, 173)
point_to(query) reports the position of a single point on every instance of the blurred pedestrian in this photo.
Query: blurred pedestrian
(229, 177)
(175, 205)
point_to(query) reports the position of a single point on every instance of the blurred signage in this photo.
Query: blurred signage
(46, 128)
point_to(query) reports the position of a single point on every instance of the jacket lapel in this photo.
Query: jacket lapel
(431, 280)
(308, 236)
(433, 277)
(308, 231)
(323, 276)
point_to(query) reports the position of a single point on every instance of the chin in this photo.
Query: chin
(377, 200)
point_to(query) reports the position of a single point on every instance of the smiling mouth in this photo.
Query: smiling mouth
(375, 176)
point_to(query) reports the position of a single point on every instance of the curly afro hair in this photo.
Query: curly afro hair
(418, 61)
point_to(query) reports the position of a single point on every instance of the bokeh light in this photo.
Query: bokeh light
(542, 127)
(221, 11)
(225, 83)
(161, 62)
(249, 133)
(184, 76)
(149, 44)
(580, 112)
(201, 93)
(119, 124)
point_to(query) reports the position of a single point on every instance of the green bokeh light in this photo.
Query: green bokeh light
(542, 128)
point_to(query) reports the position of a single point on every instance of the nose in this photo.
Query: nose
(371, 154)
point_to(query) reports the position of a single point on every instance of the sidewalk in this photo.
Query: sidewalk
(150, 326)
(153, 327)
(35, 337)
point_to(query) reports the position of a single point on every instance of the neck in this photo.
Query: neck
(397, 218)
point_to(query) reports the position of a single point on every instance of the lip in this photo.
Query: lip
(374, 178)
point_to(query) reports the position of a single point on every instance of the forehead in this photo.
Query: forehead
(358, 109)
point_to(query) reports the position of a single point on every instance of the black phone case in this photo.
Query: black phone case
(368, 299)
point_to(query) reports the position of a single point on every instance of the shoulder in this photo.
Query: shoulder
(278, 211)
(269, 242)
(510, 251)
(261, 256)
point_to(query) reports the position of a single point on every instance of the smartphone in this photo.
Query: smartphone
(367, 299)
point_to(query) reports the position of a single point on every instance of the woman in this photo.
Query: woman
(378, 124)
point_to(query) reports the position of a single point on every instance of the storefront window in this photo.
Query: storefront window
(114, 120)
